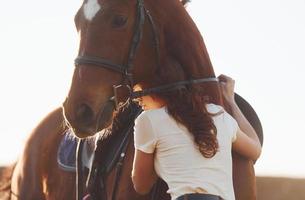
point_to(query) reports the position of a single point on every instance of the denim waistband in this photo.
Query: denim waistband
(197, 196)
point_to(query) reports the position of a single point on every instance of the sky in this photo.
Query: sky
(260, 44)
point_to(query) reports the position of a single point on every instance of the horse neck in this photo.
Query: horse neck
(183, 42)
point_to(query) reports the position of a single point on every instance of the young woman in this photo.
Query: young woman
(188, 144)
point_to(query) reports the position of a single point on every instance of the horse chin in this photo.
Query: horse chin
(83, 132)
(102, 121)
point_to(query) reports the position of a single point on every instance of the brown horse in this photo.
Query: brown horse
(124, 43)
(123, 34)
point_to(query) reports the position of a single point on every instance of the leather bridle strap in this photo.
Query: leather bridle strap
(171, 86)
(100, 62)
(155, 35)
(79, 170)
(138, 32)
(127, 68)
(120, 162)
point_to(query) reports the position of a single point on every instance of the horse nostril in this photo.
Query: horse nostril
(84, 114)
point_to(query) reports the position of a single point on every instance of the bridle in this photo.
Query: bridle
(127, 69)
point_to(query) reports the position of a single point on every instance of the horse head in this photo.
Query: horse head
(126, 42)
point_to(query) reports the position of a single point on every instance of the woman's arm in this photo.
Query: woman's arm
(247, 142)
(143, 172)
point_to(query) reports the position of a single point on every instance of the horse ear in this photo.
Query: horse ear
(184, 2)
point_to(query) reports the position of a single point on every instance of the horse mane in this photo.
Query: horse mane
(182, 42)
(119, 123)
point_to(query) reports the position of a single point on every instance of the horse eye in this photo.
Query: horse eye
(119, 21)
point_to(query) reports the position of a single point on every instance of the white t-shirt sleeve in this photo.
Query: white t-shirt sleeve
(232, 125)
(144, 136)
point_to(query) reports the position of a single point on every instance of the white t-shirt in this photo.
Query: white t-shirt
(177, 158)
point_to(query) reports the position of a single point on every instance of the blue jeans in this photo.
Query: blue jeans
(197, 196)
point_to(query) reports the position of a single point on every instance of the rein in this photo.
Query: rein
(171, 86)
(105, 160)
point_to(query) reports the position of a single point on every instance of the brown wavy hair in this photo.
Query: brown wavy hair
(187, 105)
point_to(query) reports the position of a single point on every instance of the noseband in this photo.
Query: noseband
(127, 69)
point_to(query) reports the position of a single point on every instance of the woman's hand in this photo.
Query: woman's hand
(247, 143)
(227, 87)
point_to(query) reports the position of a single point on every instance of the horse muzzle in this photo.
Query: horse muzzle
(84, 121)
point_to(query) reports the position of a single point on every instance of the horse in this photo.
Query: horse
(125, 43)
(143, 36)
